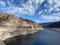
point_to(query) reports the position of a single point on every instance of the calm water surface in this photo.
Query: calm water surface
(45, 37)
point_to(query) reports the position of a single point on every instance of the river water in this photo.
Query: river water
(45, 37)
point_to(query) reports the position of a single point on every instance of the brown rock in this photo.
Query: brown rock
(11, 20)
(11, 26)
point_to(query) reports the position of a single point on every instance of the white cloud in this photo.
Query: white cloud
(53, 4)
(2, 3)
(40, 12)
(28, 8)
(51, 17)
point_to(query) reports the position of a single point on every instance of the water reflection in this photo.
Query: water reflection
(45, 37)
(19, 40)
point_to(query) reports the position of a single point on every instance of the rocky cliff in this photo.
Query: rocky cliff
(11, 26)
(12, 21)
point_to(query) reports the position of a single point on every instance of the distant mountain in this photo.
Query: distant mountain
(51, 25)
(54, 25)
(44, 24)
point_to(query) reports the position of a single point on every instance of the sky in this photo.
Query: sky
(40, 11)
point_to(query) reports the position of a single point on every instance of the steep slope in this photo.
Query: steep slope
(11, 20)
(11, 26)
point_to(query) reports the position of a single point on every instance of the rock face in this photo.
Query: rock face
(11, 26)
(11, 20)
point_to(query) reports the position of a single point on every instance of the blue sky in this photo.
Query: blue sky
(39, 11)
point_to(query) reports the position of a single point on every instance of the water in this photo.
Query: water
(45, 37)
